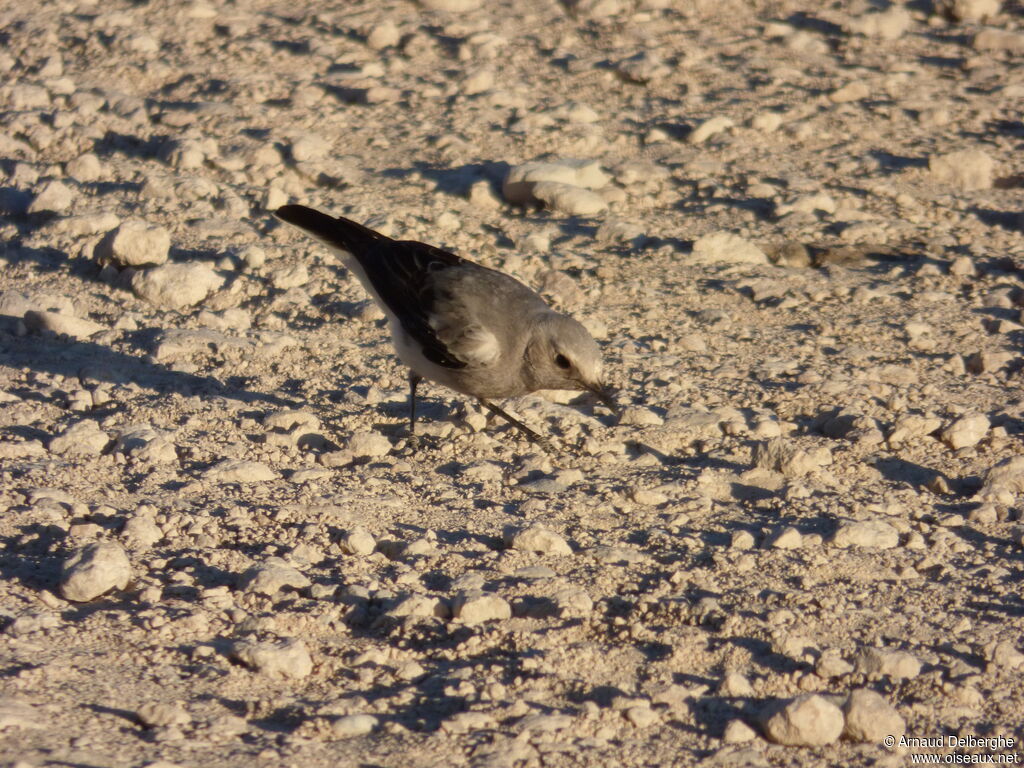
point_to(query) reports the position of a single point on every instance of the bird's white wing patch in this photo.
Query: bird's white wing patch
(477, 346)
(469, 342)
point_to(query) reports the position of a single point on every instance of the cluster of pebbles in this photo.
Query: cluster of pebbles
(797, 234)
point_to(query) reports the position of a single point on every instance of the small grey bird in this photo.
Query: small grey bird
(473, 329)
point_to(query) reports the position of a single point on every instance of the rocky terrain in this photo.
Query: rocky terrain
(797, 231)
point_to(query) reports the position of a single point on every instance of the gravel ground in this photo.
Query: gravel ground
(796, 232)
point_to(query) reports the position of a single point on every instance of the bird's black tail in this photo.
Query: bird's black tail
(340, 233)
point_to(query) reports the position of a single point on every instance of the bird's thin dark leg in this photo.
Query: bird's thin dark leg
(532, 436)
(414, 381)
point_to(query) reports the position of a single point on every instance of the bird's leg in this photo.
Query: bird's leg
(414, 380)
(530, 435)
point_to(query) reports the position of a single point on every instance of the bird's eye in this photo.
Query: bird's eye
(562, 362)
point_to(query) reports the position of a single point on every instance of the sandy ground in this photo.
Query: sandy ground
(797, 234)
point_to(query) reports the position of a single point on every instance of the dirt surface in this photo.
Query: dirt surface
(798, 238)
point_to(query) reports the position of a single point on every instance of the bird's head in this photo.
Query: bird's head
(561, 354)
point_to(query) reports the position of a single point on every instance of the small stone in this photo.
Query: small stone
(451, 6)
(368, 445)
(467, 722)
(647, 497)
(787, 538)
(890, 24)
(385, 35)
(477, 82)
(53, 197)
(832, 664)
(735, 684)
(358, 541)
(521, 181)
(162, 714)
(142, 443)
(809, 720)
(537, 538)
(572, 603)
(94, 570)
(286, 658)
(962, 266)
(709, 128)
(870, 718)
(240, 471)
(727, 247)
(854, 91)
(15, 713)
(29, 623)
(972, 10)
(898, 665)
(1004, 481)
(766, 122)
(819, 202)
(475, 607)
(252, 256)
(86, 167)
(142, 531)
(742, 540)
(643, 68)
(420, 605)
(866, 534)
(642, 716)
(481, 195)
(639, 416)
(738, 732)
(965, 432)
(350, 726)
(134, 243)
(55, 322)
(271, 577)
(310, 148)
(969, 169)
(569, 199)
(176, 286)
(999, 40)
(1004, 654)
(779, 455)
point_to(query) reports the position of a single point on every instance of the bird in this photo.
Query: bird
(475, 330)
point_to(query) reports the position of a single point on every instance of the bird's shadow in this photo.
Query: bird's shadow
(77, 359)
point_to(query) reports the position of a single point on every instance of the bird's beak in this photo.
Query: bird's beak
(603, 393)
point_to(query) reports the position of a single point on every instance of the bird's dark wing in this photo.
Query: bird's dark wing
(402, 272)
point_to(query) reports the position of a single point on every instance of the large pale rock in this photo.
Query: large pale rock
(176, 286)
(537, 538)
(134, 243)
(350, 726)
(79, 440)
(870, 718)
(94, 570)
(523, 179)
(970, 169)
(727, 247)
(271, 577)
(240, 471)
(568, 199)
(55, 322)
(899, 665)
(780, 455)
(807, 721)
(53, 197)
(966, 431)
(285, 658)
(475, 607)
(866, 534)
